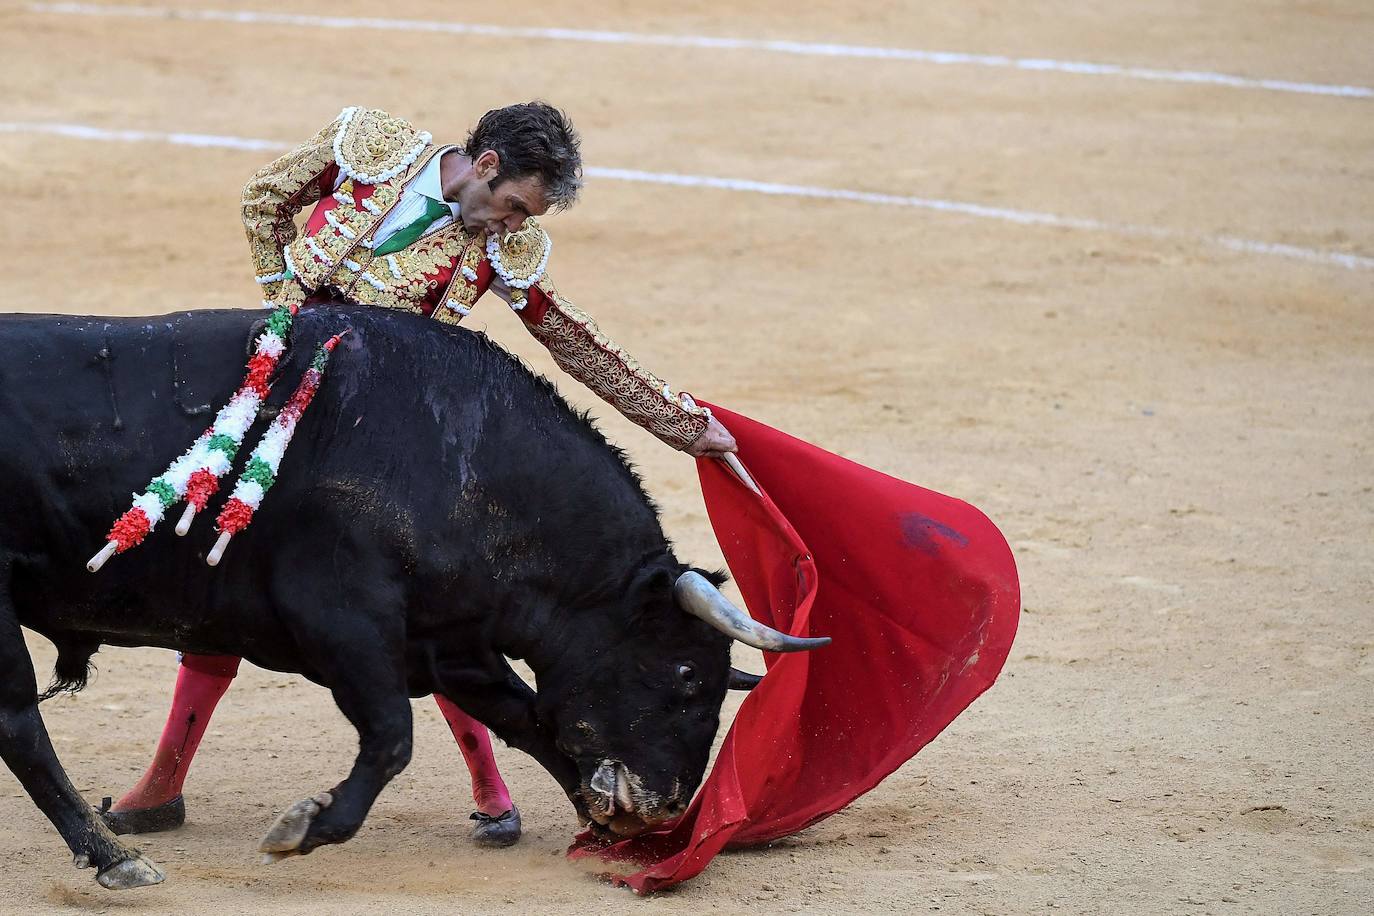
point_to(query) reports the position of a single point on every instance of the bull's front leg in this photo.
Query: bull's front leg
(364, 668)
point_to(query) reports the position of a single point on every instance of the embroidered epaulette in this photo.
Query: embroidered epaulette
(372, 146)
(520, 258)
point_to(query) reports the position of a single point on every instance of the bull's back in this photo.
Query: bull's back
(87, 405)
(435, 457)
(91, 409)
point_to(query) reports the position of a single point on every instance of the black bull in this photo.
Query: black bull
(440, 510)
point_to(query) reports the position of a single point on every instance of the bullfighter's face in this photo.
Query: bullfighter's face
(638, 714)
(488, 201)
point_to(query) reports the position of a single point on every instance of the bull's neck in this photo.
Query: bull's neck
(541, 632)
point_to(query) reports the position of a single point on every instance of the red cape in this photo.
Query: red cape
(920, 594)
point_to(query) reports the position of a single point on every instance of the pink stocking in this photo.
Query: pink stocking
(488, 788)
(201, 681)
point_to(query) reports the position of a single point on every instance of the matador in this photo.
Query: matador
(400, 222)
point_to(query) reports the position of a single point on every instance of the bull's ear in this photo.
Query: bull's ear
(743, 680)
(650, 582)
(656, 579)
(716, 577)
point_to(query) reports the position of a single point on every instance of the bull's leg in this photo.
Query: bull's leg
(369, 688)
(28, 752)
(155, 802)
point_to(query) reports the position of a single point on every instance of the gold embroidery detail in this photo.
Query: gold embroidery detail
(472, 258)
(276, 193)
(373, 147)
(523, 255)
(391, 297)
(309, 270)
(292, 181)
(445, 248)
(457, 299)
(435, 251)
(330, 245)
(289, 294)
(447, 315)
(463, 289)
(386, 194)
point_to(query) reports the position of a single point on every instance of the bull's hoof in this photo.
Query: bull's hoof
(166, 816)
(286, 835)
(135, 871)
(497, 832)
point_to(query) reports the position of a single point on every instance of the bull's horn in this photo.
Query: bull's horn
(743, 680)
(697, 596)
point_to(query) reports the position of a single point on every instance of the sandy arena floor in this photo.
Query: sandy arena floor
(1175, 435)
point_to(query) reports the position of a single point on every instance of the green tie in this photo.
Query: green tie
(407, 234)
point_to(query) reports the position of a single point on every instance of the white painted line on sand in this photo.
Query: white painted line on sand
(85, 132)
(962, 208)
(807, 48)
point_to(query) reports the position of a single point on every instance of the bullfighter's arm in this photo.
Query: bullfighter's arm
(279, 191)
(518, 262)
(583, 351)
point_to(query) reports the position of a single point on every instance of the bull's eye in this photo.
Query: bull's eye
(687, 674)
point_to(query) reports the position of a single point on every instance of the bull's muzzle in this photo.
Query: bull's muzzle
(617, 802)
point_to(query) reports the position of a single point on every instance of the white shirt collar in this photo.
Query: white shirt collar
(429, 182)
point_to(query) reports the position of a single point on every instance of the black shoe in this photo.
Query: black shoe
(496, 832)
(166, 816)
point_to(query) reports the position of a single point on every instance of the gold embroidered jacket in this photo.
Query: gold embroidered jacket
(440, 275)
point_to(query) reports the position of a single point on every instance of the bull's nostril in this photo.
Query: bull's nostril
(603, 780)
(603, 787)
(622, 789)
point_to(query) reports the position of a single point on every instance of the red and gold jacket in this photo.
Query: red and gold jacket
(440, 275)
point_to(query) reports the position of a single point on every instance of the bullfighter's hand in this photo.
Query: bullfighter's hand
(714, 442)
